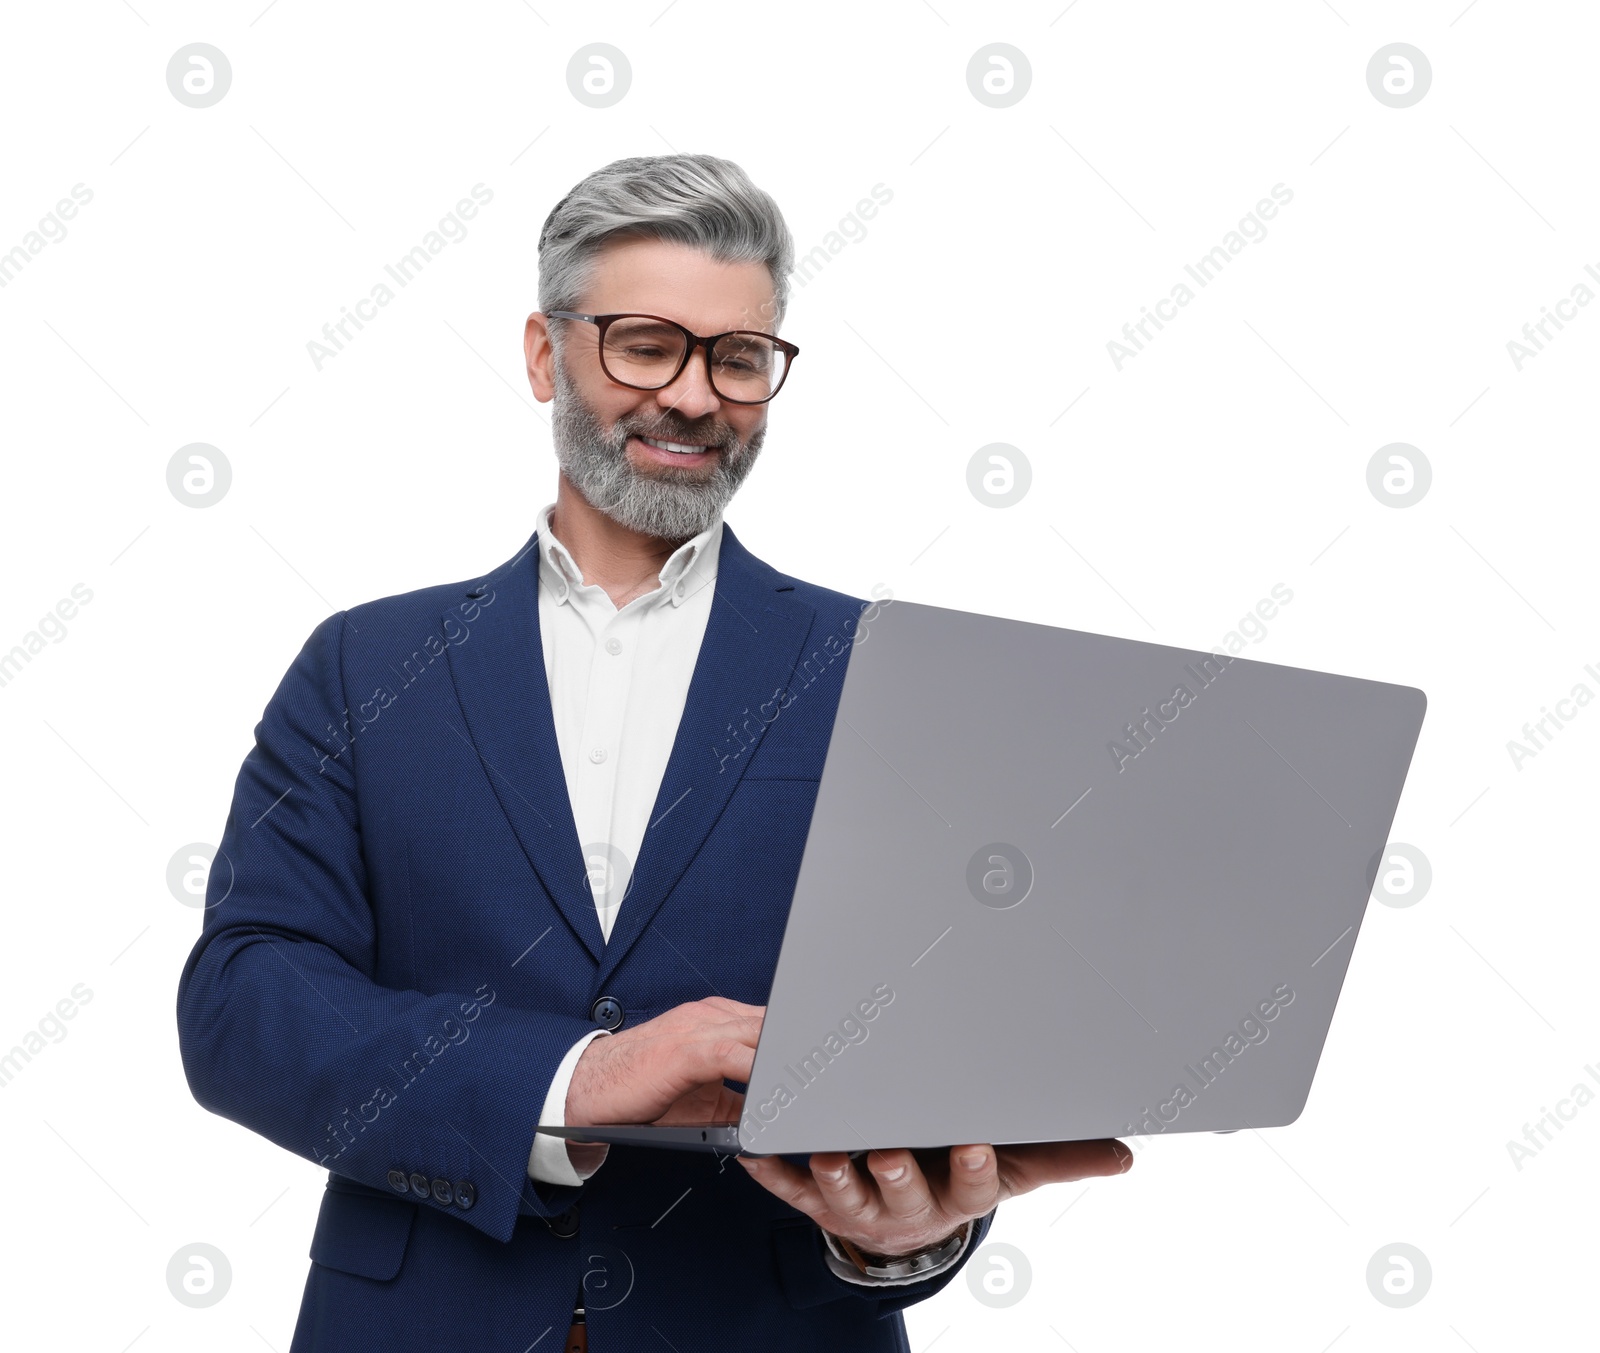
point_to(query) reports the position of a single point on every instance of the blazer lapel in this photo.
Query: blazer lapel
(752, 645)
(753, 642)
(500, 680)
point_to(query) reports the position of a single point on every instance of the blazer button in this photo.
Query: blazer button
(565, 1223)
(442, 1192)
(466, 1195)
(607, 1012)
(398, 1181)
(419, 1183)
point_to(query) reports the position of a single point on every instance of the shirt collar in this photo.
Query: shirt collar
(688, 568)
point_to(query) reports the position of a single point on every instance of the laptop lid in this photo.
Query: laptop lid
(1061, 886)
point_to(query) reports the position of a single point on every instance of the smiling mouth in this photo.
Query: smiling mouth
(676, 448)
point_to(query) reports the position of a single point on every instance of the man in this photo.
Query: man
(516, 850)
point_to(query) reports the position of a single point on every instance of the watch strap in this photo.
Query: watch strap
(847, 1253)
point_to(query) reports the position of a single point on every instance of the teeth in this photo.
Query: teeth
(681, 448)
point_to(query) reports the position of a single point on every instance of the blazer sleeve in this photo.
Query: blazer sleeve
(282, 1028)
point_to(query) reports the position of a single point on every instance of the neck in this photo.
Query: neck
(625, 562)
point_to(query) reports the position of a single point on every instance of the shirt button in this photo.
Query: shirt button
(598, 755)
(613, 645)
(680, 589)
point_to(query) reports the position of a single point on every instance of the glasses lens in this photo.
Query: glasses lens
(642, 351)
(746, 366)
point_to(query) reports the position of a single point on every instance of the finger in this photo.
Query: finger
(787, 1182)
(733, 1007)
(713, 1103)
(1087, 1159)
(716, 1057)
(1027, 1167)
(905, 1192)
(704, 1016)
(850, 1196)
(974, 1186)
(709, 1012)
(746, 1028)
(729, 1106)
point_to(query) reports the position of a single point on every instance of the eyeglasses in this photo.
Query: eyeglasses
(647, 352)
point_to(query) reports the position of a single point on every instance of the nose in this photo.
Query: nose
(691, 394)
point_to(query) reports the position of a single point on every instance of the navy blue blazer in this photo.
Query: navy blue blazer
(399, 946)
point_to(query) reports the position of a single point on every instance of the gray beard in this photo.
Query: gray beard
(672, 507)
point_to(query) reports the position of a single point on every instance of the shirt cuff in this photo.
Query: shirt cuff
(549, 1162)
(844, 1268)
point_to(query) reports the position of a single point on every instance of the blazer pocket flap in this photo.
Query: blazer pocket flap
(362, 1235)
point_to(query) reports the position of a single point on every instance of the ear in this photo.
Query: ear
(540, 355)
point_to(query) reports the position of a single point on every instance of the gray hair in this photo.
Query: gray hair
(697, 200)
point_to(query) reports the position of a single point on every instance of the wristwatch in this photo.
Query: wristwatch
(846, 1258)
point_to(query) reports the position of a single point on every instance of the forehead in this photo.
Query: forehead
(678, 281)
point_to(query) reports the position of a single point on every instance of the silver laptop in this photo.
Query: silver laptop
(1060, 886)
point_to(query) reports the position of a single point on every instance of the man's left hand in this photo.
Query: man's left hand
(898, 1205)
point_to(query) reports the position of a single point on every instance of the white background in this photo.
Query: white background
(1228, 456)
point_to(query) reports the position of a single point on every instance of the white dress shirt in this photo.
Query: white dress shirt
(619, 681)
(615, 732)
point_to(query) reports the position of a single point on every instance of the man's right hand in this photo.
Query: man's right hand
(669, 1069)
